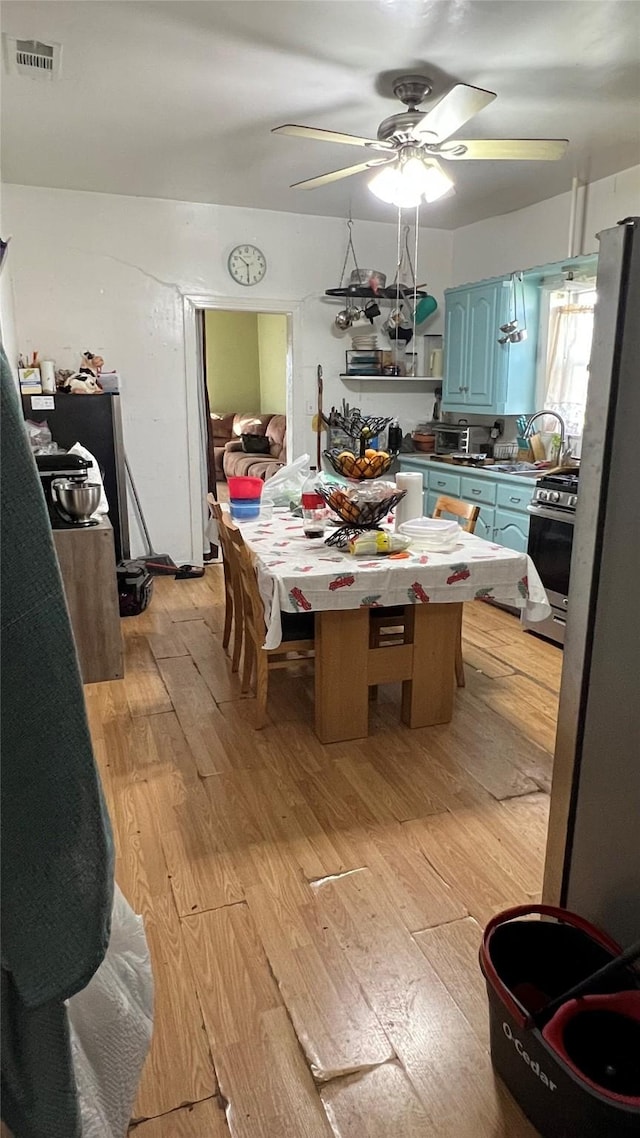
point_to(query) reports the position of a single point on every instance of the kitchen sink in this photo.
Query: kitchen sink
(521, 468)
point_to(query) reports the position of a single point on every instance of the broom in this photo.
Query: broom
(157, 563)
(319, 423)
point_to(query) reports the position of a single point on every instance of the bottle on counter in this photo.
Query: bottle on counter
(314, 511)
(394, 437)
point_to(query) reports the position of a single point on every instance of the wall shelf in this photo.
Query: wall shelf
(392, 378)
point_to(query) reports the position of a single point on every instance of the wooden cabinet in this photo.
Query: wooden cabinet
(88, 569)
(482, 376)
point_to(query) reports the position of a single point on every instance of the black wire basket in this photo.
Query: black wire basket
(356, 516)
(359, 466)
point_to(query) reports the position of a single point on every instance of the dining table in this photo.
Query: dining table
(299, 574)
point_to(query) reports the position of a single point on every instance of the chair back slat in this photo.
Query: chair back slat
(254, 607)
(467, 510)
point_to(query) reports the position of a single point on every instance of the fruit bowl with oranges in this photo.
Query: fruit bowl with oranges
(364, 461)
(370, 464)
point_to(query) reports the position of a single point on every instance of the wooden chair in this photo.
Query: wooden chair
(233, 607)
(385, 626)
(257, 659)
(459, 509)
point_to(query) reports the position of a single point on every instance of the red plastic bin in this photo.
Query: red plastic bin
(245, 487)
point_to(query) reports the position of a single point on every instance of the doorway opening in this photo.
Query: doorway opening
(245, 368)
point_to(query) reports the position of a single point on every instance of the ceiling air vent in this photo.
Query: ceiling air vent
(32, 58)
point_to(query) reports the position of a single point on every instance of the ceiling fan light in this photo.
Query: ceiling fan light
(391, 186)
(385, 184)
(435, 183)
(409, 183)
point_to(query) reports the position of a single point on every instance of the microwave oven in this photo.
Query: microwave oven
(461, 438)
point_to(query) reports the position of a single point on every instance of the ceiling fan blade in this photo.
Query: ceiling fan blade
(515, 149)
(321, 135)
(459, 105)
(335, 175)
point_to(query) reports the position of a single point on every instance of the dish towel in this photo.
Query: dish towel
(57, 859)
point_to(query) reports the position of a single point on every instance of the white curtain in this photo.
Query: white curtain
(568, 354)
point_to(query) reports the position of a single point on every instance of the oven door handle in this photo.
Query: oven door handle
(553, 515)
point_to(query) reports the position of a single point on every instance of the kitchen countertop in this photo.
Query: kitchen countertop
(473, 471)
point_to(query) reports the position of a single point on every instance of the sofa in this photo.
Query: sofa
(229, 459)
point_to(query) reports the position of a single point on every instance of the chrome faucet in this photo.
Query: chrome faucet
(563, 450)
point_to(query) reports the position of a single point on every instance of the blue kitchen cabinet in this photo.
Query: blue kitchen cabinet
(485, 522)
(455, 329)
(511, 529)
(502, 499)
(481, 491)
(482, 376)
(484, 312)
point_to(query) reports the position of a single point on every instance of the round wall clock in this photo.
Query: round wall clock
(247, 264)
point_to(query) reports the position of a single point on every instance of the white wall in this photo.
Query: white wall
(540, 233)
(7, 317)
(108, 273)
(7, 309)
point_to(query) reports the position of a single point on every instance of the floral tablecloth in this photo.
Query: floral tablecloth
(297, 574)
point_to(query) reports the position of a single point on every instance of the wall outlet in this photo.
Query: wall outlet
(309, 407)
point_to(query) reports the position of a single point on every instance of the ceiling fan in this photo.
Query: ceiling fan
(411, 143)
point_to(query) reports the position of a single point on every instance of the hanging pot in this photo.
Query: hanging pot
(343, 319)
(509, 328)
(368, 278)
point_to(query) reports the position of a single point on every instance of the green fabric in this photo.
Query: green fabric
(39, 1097)
(57, 858)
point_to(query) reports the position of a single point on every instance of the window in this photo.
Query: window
(568, 353)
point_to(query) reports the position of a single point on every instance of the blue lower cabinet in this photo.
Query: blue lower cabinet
(478, 490)
(441, 482)
(511, 529)
(430, 499)
(485, 523)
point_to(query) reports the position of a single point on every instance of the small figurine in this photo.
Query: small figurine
(85, 380)
(92, 363)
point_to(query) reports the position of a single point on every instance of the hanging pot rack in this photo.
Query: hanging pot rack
(392, 292)
(361, 292)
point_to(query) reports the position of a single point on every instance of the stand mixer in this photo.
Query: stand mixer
(71, 499)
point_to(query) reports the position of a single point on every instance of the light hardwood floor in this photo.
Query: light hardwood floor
(314, 912)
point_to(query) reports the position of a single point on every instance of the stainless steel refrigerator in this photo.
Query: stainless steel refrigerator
(593, 854)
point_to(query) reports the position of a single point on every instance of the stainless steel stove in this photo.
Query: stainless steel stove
(552, 511)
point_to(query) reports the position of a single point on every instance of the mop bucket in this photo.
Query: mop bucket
(547, 1046)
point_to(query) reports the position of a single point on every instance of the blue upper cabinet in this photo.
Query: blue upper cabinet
(455, 337)
(482, 376)
(483, 319)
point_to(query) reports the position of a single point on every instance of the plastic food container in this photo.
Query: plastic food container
(432, 534)
(243, 487)
(244, 509)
